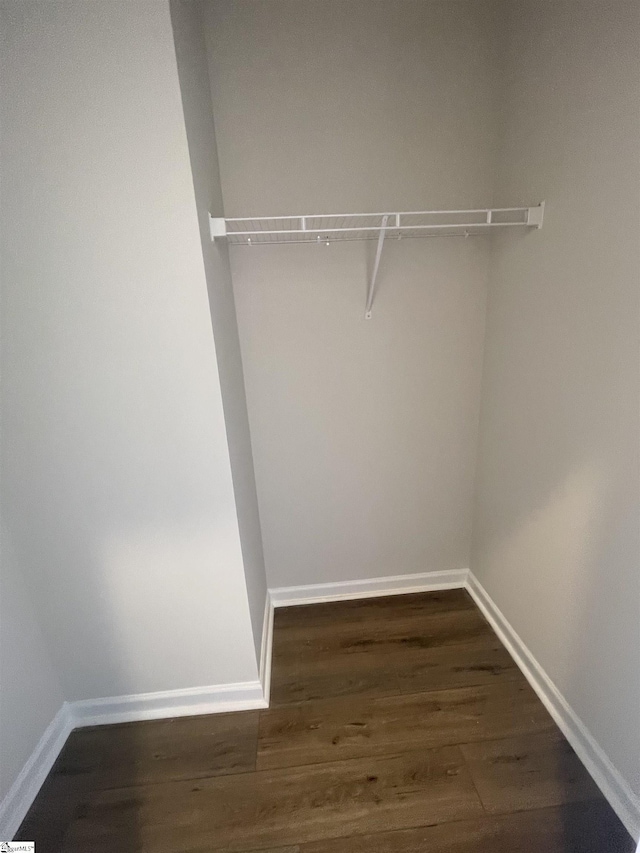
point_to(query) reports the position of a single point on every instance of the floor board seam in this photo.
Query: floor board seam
(410, 750)
(150, 784)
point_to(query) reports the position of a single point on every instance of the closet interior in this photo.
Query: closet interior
(321, 531)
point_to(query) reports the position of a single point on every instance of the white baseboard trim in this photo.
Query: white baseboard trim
(616, 790)
(266, 648)
(216, 699)
(286, 596)
(24, 790)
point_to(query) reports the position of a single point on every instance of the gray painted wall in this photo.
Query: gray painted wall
(116, 488)
(364, 433)
(557, 524)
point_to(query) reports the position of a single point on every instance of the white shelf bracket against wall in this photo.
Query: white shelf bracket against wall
(374, 274)
(324, 229)
(217, 227)
(535, 215)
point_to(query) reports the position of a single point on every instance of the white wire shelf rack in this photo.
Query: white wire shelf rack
(332, 228)
(322, 228)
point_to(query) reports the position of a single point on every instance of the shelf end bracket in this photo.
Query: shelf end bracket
(372, 283)
(217, 227)
(535, 215)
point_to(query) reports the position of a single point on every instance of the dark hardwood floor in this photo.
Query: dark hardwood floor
(397, 725)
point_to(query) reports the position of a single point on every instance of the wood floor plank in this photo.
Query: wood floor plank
(121, 756)
(161, 750)
(279, 807)
(326, 614)
(309, 645)
(53, 811)
(348, 728)
(583, 828)
(528, 772)
(355, 675)
(463, 665)
(415, 671)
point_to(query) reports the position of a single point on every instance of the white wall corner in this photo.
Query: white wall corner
(286, 596)
(24, 790)
(266, 649)
(616, 790)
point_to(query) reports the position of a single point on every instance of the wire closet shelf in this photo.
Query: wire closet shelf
(332, 228)
(329, 228)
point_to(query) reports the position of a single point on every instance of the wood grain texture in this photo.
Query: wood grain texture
(374, 673)
(161, 750)
(282, 806)
(376, 609)
(354, 675)
(398, 725)
(583, 828)
(312, 644)
(474, 663)
(348, 728)
(528, 772)
(122, 756)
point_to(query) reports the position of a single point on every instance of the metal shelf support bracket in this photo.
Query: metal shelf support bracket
(374, 274)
